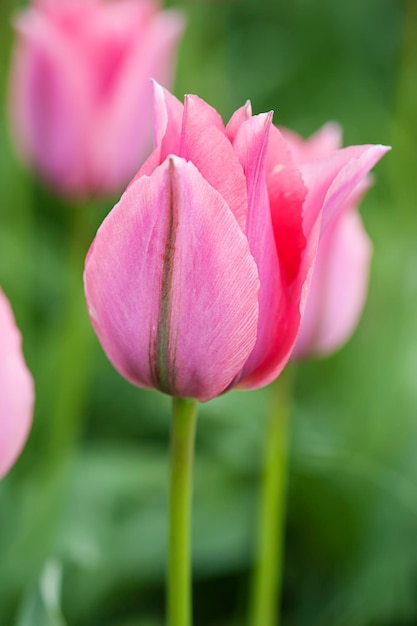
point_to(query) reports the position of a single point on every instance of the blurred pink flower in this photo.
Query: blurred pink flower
(340, 281)
(81, 95)
(16, 390)
(196, 280)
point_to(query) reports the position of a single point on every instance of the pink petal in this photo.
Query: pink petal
(338, 289)
(331, 181)
(204, 142)
(289, 321)
(171, 286)
(16, 390)
(237, 119)
(251, 144)
(287, 194)
(168, 114)
(198, 110)
(320, 145)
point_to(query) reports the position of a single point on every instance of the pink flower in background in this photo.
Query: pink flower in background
(16, 390)
(81, 95)
(340, 281)
(197, 279)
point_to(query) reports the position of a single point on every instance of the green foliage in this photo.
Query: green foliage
(41, 606)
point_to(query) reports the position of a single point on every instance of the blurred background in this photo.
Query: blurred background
(83, 512)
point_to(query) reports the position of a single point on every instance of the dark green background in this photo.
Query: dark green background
(88, 503)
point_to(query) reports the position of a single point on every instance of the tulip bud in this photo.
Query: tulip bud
(16, 390)
(197, 279)
(80, 89)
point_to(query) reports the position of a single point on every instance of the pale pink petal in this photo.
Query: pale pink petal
(171, 286)
(16, 390)
(331, 181)
(320, 145)
(168, 114)
(339, 287)
(204, 142)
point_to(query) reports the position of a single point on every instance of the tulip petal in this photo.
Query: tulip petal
(348, 277)
(251, 145)
(287, 193)
(339, 286)
(171, 286)
(16, 390)
(331, 181)
(322, 144)
(168, 113)
(204, 142)
(237, 119)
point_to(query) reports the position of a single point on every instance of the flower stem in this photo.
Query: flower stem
(75, 344)
(267, 580)
(179, 560)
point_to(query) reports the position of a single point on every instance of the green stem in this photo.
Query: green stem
(62, 384)
(267, 581)
(179, 560)
(401, 170)
(75, 343)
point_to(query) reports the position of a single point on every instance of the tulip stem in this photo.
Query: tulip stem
(75, 346)
(179, 559)
(267, 580)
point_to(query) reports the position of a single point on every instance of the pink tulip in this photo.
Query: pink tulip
(16, 390)
(341, 274)
(197, 278)
(81, 95)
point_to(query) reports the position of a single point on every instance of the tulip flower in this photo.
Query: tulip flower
(16, 390)
(81, 95)
(340, 281)
(197, 279)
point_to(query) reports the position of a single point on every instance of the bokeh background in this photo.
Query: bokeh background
(83, 513)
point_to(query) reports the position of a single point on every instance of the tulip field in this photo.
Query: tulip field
(208, 313)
